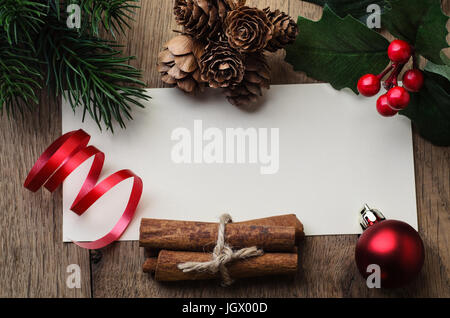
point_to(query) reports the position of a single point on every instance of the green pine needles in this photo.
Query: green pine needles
(38, 48)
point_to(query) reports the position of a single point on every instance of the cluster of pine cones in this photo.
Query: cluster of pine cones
(222, 46)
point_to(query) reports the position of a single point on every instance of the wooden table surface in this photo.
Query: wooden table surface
(33, 259)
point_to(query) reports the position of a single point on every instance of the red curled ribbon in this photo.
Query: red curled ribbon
(66, 154)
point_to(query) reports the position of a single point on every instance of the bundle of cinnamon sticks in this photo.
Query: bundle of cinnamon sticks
(175, 242)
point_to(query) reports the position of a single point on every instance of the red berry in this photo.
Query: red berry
(369, 85)
(413, 80)
(399, 51)
(383, 107)
(398, 97)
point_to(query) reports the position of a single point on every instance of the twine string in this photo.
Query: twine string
(221, 255)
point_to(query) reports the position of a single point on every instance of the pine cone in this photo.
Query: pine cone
(202, 19)
(178, 63)
(221, 65)
(248, 29)
(285, 30)
(257, 77)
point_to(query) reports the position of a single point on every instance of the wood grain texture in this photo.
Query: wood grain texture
(33, 257)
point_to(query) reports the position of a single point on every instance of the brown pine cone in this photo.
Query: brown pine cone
(178, 64)
(257, 77)
(221, 65)
(202, 19)
(285, 30)
(248, 29)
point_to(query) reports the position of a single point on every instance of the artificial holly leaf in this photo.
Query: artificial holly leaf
(443, 70)
(429, 109)
(337, 50)
(357, 9)
(419, 22)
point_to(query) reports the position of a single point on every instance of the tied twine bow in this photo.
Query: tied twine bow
(222, 255)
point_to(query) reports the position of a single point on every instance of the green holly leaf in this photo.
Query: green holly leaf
(357, 9)
(443, 70)
(337, 50)
(419, 22)
(429, 109)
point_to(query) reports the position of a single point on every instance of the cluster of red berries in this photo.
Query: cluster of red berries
(397, 97)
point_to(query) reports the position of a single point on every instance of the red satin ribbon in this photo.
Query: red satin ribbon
(66, 154)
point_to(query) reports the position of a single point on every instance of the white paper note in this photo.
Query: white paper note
(329, 153)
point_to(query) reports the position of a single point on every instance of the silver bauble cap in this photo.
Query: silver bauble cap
(369, 216)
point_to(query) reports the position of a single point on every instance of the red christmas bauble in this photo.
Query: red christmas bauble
(394, 246)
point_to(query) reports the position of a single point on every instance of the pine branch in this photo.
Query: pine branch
(19, 78)
(112, 15)
(36, 43)
(21, 20)
(90, 71)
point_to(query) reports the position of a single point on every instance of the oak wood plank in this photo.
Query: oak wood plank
(33, 258)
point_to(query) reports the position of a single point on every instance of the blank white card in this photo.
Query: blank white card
(309, 150)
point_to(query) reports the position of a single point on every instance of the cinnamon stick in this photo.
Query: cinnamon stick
(165, 265)
(281, 220)
(202, 236)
